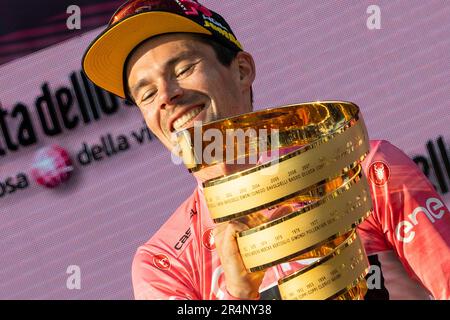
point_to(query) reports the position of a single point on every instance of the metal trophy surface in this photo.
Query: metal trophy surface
(293, 175)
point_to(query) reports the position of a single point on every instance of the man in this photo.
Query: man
(180, 62)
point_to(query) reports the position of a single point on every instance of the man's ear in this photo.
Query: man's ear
(247, 69)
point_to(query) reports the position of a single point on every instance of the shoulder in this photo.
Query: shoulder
(157, 262)
(389, 172)
(383, 150)
(386, 163)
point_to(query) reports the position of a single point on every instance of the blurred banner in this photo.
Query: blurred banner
(83, 182)
(28, 27)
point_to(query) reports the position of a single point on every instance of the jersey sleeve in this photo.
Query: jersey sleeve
(160, 276)
(411, 218)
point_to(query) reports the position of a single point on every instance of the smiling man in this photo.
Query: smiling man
(177, 79)
(180, 62)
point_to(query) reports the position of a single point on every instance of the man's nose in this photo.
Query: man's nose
(169, 94)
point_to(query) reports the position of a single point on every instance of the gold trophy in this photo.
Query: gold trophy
(293, 175)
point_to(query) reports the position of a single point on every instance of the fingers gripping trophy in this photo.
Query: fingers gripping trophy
(293, 176)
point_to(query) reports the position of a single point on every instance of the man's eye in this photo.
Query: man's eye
(147, 95)
(185, 71)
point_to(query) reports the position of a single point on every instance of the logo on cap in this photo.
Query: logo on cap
(161, 261)
(379, 173)
(208, 239)
(194, 7)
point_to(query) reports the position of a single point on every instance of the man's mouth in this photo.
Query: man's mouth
(185, 120)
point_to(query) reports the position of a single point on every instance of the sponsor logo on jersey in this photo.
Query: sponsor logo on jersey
(208, 239)
(433, 210)
(379, 173)
(193, 211)
(183, 239)
(161, 261)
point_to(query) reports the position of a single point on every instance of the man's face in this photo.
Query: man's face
(176, 79)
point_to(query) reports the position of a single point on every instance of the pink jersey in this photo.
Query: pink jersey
(407, 239)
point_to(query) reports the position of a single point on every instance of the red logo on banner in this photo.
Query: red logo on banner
(379, 173)
(208, 239)
(52, 166)
(161, 261)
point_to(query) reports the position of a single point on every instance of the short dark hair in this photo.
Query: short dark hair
(224, 54)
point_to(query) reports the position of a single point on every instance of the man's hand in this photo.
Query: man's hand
(239, 282)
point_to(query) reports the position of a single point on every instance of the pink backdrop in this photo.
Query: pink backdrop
(304, 51)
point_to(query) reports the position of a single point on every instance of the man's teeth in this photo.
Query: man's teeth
(180, 122)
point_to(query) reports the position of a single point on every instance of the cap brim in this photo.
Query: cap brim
(104, 60)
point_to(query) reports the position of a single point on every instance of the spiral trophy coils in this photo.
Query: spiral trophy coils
(293, 175)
